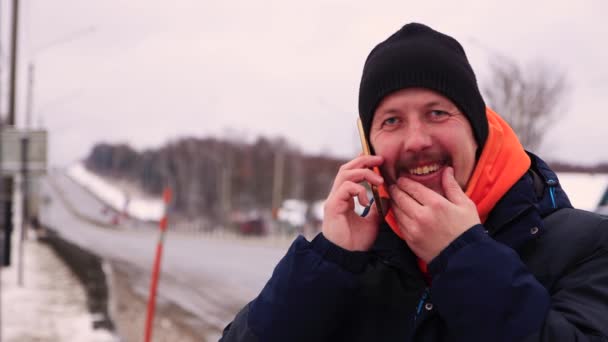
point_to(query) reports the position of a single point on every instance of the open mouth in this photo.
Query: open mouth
(424, 170)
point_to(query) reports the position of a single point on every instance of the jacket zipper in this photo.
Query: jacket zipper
(425, 296)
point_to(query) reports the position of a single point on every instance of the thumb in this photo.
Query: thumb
(451, 188)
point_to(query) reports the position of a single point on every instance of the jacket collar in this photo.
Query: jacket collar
(522, 210)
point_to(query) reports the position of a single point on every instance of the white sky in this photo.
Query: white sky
(152, 71)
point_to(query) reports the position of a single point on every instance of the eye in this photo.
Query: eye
(438, 115)
(391, 121)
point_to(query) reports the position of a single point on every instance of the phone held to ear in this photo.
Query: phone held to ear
(380, 194)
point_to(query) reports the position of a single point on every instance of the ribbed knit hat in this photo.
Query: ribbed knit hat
(418, 56)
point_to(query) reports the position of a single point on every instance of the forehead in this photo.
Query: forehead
(414, 98)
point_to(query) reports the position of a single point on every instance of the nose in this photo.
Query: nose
(417, 137)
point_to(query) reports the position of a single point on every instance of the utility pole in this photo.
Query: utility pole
(25, 142)
(24, 202)
(14, 46)
(30, 96)
(1, 70)
(277, 181)
(31, 66)
(11, 117)
(226, 186)
(3, 225)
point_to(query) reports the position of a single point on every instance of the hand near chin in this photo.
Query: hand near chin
(429, 221)
(341, 224)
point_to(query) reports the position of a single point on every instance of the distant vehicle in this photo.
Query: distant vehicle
(293, 212)
(252, 227)
(250, 222)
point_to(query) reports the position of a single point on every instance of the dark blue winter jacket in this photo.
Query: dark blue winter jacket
(537, 270)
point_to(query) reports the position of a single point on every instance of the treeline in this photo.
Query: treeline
(212, 177)
(568, 167)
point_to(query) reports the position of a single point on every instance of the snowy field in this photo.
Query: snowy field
(135, 205)
(51, 304)
(584, 190)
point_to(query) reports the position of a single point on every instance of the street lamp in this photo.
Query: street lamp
(32, 68)
(25, 140)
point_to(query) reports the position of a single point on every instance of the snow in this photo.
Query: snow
(584, 190)
(145, 209)
(51, 304)
(293, 211)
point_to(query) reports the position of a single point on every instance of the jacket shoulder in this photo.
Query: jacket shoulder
(579, 224)
(571, 236)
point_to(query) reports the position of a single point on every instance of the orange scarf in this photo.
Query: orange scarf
(502, 163)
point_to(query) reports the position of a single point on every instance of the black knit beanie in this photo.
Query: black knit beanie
(418, 56)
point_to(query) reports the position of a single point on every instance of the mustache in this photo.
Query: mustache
(414, 160)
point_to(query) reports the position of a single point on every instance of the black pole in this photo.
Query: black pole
(1, 70)
(3, 225)
(25, 210)
(14, 48)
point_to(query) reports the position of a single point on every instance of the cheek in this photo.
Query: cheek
(389, 150)
(386, 148)
(464, 163)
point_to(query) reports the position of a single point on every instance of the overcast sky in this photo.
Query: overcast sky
(148, 71)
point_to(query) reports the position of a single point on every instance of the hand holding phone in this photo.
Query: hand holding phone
(380, 194)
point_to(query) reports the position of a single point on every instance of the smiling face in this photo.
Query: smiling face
(419, 132)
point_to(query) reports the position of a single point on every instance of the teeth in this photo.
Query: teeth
(424, 170)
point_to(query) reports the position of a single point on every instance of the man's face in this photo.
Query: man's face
(419, 132)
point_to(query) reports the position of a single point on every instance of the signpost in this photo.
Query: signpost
(21, 152)
(11, 151)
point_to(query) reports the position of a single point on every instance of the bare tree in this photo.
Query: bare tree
(530, 99)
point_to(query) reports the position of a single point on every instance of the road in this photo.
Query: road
(208, 277)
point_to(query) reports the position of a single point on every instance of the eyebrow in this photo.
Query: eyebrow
(426, 105)
(433, 103)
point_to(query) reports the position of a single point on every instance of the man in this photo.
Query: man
(480, 243)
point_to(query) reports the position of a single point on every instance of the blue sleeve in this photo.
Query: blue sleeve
(310, 289)
(484, 292)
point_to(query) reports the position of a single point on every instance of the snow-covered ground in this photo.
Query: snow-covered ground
(139, 207)
(196, 269)
(584, 190)
(292, 211)
(51, 304)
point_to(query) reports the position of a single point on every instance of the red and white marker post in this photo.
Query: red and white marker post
(156, 268)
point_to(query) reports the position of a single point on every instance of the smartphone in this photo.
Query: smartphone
(379, 192)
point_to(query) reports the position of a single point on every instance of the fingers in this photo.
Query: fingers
(358, 170)
(403, 200)
(420, 193)
(405, 218)
(425, 196)
(451, 188)
(344, 196)
(358, 176)
(346, 185)
(363, 162)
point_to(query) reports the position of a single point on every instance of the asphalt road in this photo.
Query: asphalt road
(208, 277)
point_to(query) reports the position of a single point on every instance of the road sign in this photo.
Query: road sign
(10, 150)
